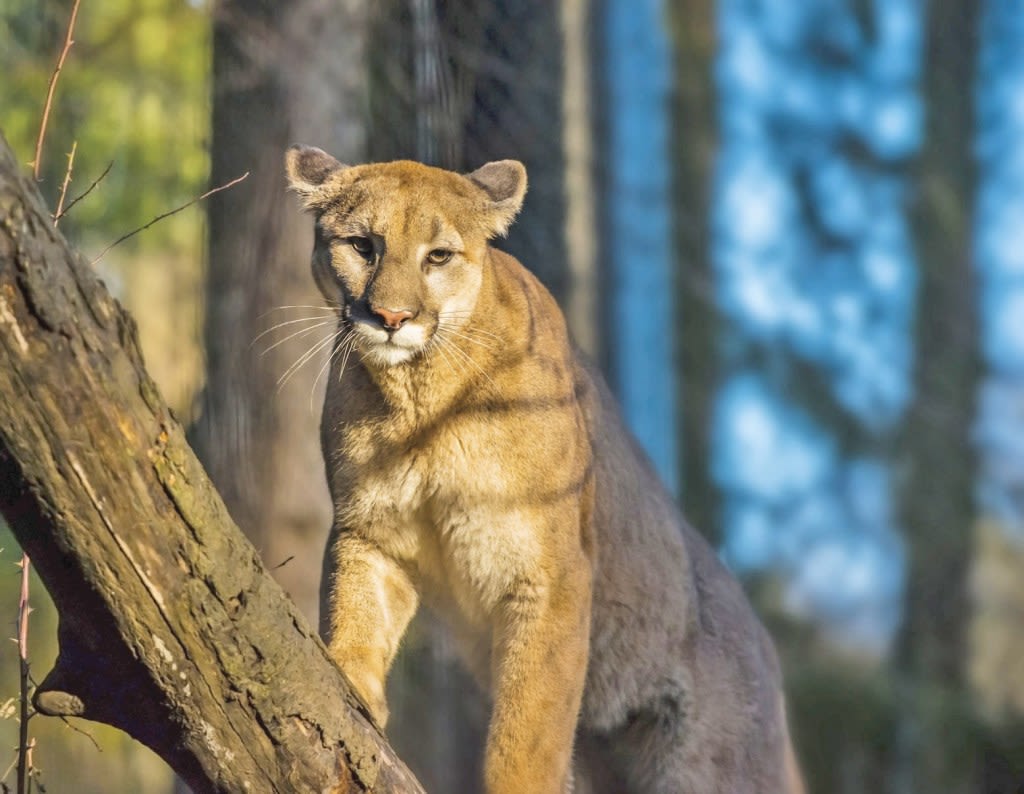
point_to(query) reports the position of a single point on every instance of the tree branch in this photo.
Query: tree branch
(170, 628)
(168, 214)
(62, 212)
(57, 213)
(51, 90)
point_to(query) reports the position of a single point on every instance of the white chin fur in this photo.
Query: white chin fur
(377, 348)
(388, 354)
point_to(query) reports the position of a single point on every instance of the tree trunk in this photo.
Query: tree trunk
(938, 494)
(938, 506)
(170, 628)
(637, 255)
(516, 111)
(583, 291)
(283, 73)
(697, 324)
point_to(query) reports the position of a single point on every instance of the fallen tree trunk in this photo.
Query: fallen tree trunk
(170, 628)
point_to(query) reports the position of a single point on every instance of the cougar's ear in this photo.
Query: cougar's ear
(308, 168)
(504, 182)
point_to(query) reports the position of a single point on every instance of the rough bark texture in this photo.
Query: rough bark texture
(170, 628)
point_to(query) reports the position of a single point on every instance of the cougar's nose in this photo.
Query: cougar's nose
(393, 319)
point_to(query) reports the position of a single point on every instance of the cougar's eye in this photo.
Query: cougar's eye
(361, 245)
(439, 256)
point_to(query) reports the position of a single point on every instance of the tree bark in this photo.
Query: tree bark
(170, 628)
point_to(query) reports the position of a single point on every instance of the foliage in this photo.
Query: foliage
(133, 90)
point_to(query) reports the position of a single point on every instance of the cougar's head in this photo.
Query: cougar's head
(400, 247)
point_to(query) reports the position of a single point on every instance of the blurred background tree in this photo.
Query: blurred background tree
(788, 231)
(256, 432)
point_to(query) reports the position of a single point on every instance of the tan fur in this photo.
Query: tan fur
(479, 466)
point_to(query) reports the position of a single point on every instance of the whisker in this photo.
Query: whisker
(469, 338)
(441, 344)
(479, 332)
(465, 357)
(331, 307)
(346, 340)
(305, 357)
(319, 375)
(351, 339)
(301, 332)
(262, 334)
(445, 316)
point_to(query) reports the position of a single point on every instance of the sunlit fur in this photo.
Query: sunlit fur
(478, 465)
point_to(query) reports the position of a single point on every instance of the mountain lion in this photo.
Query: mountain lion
(478, 465)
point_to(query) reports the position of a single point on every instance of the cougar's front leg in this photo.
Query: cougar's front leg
(540, 646)
(366, 603)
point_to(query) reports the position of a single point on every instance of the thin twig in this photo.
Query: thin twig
(64, 185)
(134, 232)
(30, 765)
(68, 41)
(24, 747)
(84, 193)
(6, 788)
(84, 733)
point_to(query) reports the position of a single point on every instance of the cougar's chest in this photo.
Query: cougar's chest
(381, 489)
(438, 503)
